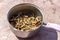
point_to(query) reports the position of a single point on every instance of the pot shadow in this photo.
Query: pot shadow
(43, 34)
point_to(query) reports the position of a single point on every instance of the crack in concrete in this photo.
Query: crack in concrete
(51, 2)
(54, 10)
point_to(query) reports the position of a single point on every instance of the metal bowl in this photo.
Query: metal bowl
(31, 10)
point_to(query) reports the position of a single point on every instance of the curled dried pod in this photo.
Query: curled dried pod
(31, 19)
(17, 25)
(34, 21)
(23, 24)
(25, 19)
(38, 18)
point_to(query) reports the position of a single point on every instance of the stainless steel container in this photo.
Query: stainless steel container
(26, 7)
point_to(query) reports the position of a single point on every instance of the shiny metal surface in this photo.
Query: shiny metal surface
(16, 9)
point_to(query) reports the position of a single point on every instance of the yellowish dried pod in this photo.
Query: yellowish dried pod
(27, 30)
(25, 20)
(21, 30)
(34, 21)
(38, 18)
(26, 16)
(18, 20)
(21, 21)
(23, 24)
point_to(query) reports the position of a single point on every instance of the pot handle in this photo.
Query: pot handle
(44, 24)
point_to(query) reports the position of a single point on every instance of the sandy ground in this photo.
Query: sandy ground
(50, 10)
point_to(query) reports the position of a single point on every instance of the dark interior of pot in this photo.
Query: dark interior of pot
(24, 10)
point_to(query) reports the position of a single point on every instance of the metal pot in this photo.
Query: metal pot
(27, 8)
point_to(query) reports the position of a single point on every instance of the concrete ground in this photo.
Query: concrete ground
(50, 10)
